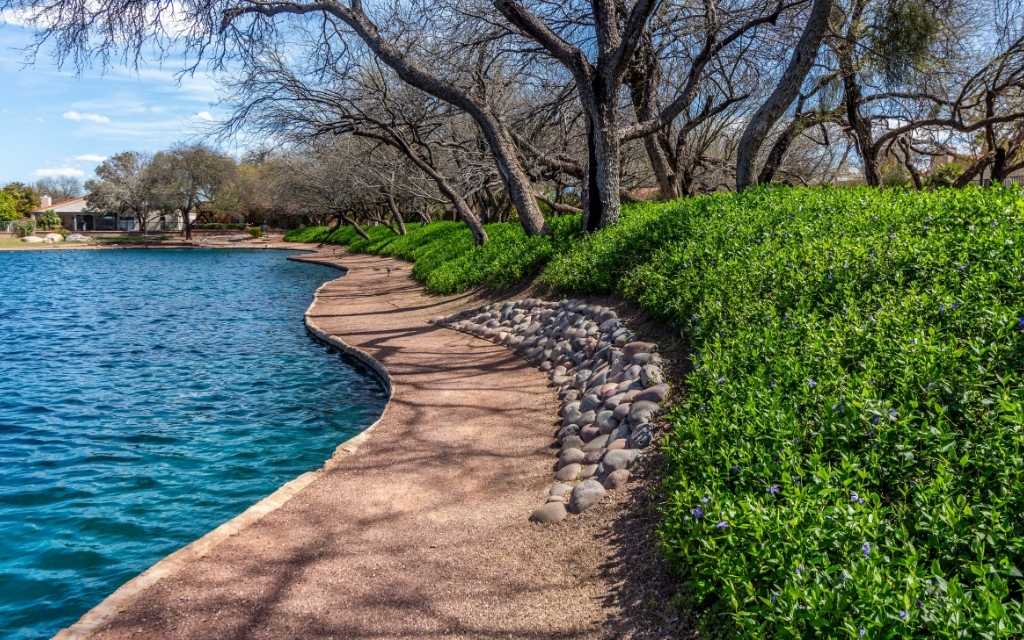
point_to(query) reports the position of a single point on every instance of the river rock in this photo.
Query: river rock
(642, 410)
(655, 394)
(572, 442)
(570, 456)
(641, 437)
(585, 495)
(616, 479)
(549, 513)
(568, 473)
(599, 442)
(650, 375)
(619, 459)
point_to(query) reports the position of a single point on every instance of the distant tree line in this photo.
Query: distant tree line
(486, 109)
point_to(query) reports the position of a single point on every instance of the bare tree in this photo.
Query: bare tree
(186, 176)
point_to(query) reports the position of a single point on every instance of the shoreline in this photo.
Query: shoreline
(111, 605)
(459, 457)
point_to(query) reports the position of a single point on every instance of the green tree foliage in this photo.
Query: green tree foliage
(25, 198)
(8, 207)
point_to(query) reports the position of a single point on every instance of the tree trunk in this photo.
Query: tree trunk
(187, 215)
(355, 225)
(396, 215)
(643, 81)
(783, 95)
(601, 200)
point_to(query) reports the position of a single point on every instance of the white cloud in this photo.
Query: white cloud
(90, 157)
(59, 172)
(205, 116)
(79, 116)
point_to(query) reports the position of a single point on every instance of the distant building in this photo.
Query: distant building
(76, 215)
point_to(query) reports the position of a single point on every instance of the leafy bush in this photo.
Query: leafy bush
(24, 228)
(446, 260)
(49, 220)
(852, 434)
(848, 458)
(8, 207)
(945, 175)
(255, 232)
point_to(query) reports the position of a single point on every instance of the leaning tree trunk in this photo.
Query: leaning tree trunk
(355, 226)
(785, 92)
(643, 79)
(396, 215)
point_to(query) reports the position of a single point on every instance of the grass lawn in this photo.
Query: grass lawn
(848, 458)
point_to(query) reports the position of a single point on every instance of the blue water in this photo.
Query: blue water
(146, 396)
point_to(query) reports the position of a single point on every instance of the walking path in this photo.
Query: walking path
(422, 532)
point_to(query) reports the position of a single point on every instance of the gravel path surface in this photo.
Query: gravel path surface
(423, 532)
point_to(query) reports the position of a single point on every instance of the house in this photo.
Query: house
(76, 215)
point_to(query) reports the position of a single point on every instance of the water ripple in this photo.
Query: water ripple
(146, 397)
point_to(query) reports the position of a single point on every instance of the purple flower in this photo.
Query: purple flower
(705, 499)
(893, 415)
(903, 615)
(697, 513)
(855, 497)
(1020, 324)
(774, 490)
(866, 549)
(875, 419)
(722, 524)
(811, 383)
(863, 632)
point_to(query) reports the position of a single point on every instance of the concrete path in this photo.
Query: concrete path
(421, 533)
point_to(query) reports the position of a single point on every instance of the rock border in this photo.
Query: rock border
(611, 386)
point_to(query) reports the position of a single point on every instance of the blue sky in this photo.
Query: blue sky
(56, 122)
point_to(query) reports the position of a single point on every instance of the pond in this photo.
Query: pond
(147, 396)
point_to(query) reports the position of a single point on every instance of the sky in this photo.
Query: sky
(58, 122)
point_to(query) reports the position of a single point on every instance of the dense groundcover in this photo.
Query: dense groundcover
(848, 458)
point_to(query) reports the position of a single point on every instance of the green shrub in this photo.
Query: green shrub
(8, 207)
(24, 228)
(446, 260)
(853, 428)
(49, 220)
(255, 232)
(852, 431)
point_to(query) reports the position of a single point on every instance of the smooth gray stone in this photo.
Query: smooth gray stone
(570, 456)
(585, 495)
(599, 442)
(549, 513)
(573, 405)
(642, 410)
(619, 459)
(569, 472)
(621, 412)
(656, 393)
(616, 479)
(589, 432)
(590, 402)
(572, 442)
(560, 489)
